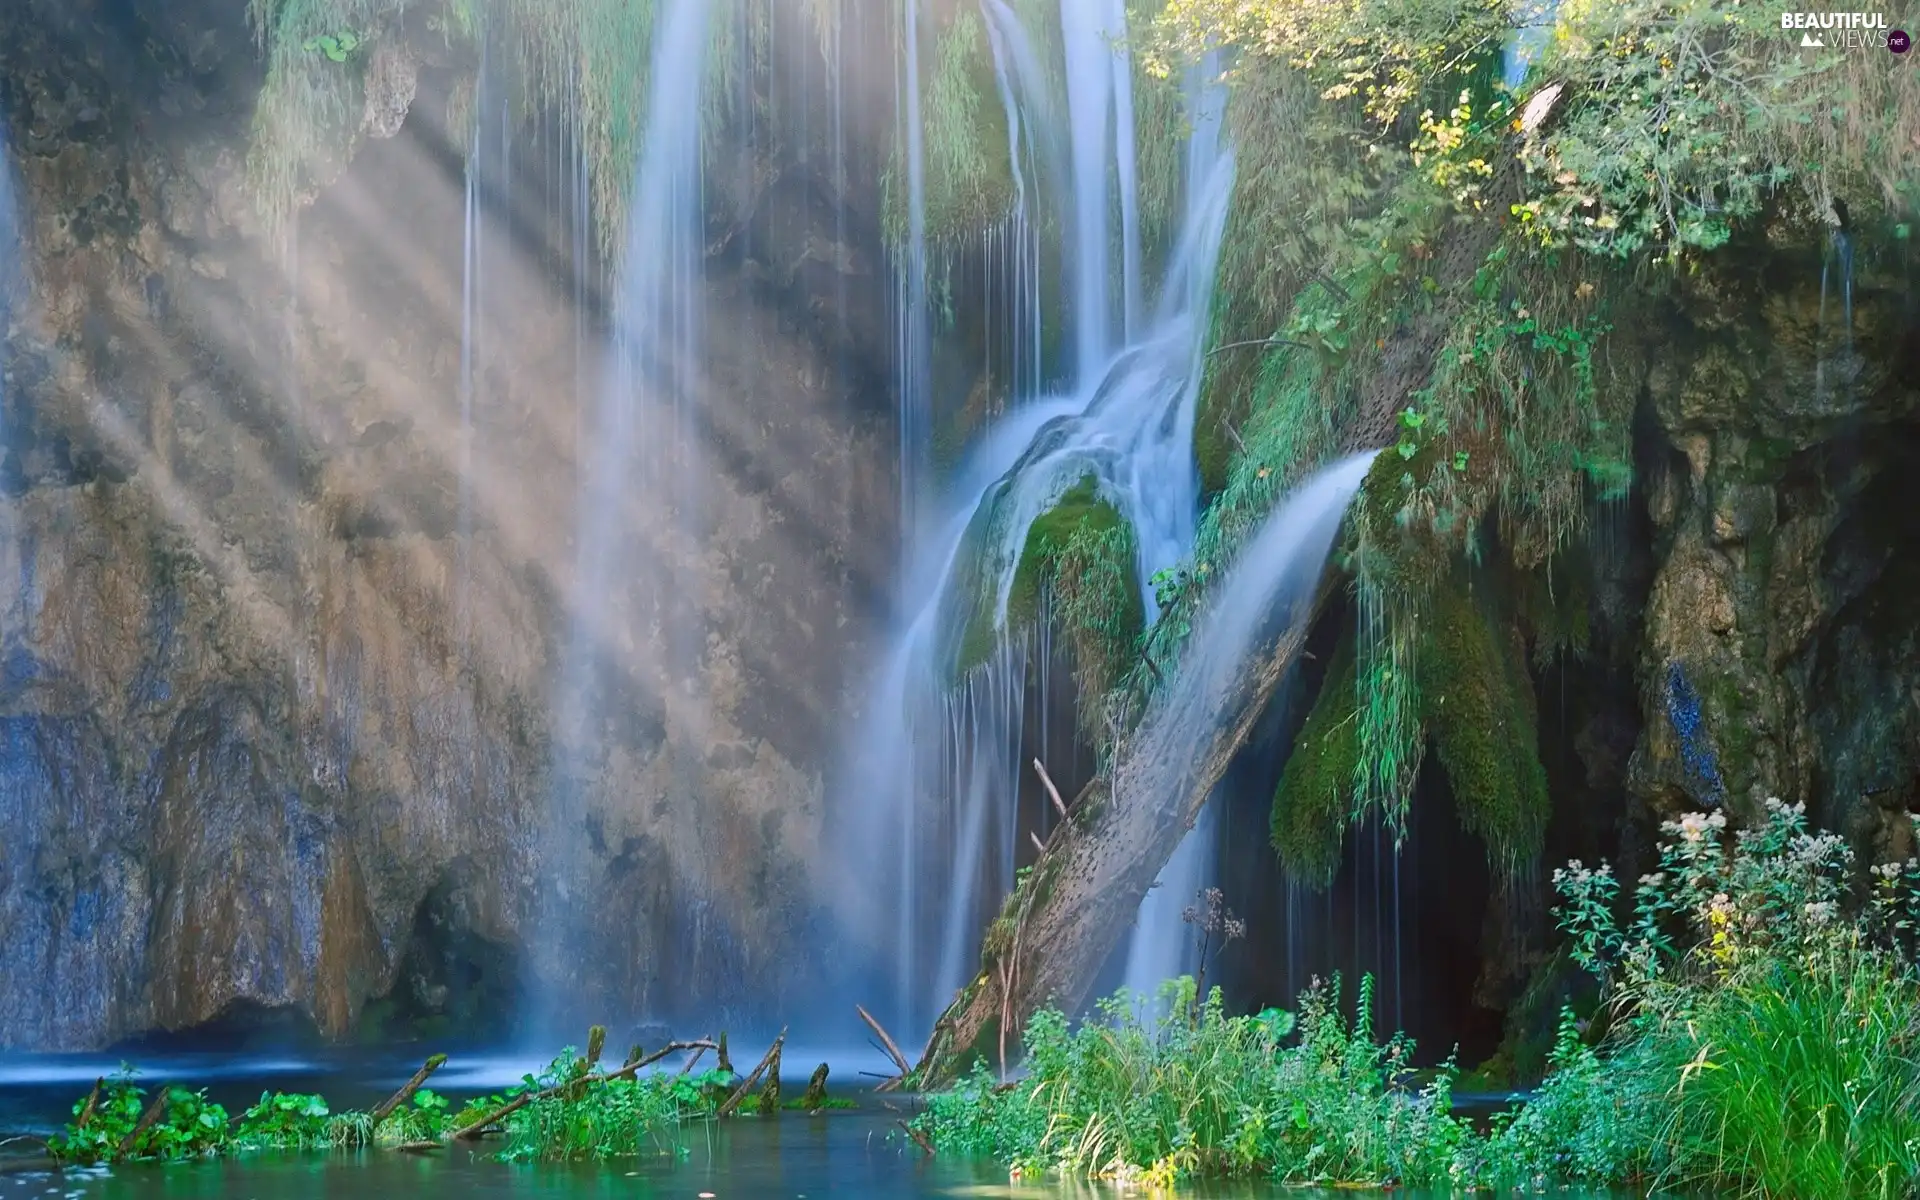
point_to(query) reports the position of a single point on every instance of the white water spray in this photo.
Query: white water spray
(644, 435)
(936, 772)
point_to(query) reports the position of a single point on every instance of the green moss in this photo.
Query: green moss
(1314, 802)
(1083, 550)
(967, 180)
(1476, 700)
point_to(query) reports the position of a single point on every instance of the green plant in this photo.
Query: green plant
(1154, 1093)
(284, 1120)
(110, 1115)
(336, 46)
(1777, 1012)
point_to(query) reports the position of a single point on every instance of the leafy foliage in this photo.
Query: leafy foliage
(618, 1118)
(187, 1125)
(1154, 1093)
(1777, 1011)
(285, 1119)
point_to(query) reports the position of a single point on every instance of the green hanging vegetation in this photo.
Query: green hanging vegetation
(1313, 802)
(1476, 700)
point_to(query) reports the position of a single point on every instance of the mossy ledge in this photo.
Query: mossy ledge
(1077, 565)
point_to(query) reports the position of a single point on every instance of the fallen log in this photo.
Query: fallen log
(406, 1092)
(1085, 889)
(740, 1093)
(919, 1139)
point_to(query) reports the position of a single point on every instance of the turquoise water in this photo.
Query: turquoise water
(790, 1157)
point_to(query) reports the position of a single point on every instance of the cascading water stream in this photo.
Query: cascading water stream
(13, 286)
(937, 769)
(913, 351)
(643, 436)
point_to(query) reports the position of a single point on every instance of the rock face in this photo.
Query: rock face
(279, 633)
(1780, 643)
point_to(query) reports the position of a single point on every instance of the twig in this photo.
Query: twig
(1333, 285)
(1226, 427)
(740, 1093)
(633, 1068)
(1053, 793)
(893, 1051)
(1271, 341)
(699, 1052)
(405, 1094)
(919, 1139)
(1037, 843)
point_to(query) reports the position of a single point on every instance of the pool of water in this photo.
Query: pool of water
(859, 1153)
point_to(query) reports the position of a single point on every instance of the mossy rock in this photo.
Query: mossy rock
(1400, 546)
(1476, 701)
(1314, 801)
(1079, 521)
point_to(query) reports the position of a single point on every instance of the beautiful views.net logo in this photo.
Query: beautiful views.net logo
(1842, 30)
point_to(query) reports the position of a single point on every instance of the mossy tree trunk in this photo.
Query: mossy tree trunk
(1085, 888)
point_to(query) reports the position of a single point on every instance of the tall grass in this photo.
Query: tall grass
(1151, 1092)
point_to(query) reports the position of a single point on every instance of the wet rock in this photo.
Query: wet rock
(276, 678)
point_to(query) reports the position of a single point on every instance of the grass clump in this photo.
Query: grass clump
(1155, 1093)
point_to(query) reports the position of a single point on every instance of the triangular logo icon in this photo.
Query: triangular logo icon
(1807, 39)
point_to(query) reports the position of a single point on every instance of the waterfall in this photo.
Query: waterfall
(13, 283)
(1267, 582)
(912, 351)
(643, 439)
(469, 311)
(935, 771)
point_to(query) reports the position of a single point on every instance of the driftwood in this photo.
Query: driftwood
(893, 1051)
(698, 1052)
(596, 1045)
(816, 1090)
(406, 1092)
(772, 1056)
(476, 1128)
(154, 1112)
(426, 1147)
(726, 1062)
(93, 1102)
(919, 1139)
(770, 1091)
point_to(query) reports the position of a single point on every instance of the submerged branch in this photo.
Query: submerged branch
(406, 1092)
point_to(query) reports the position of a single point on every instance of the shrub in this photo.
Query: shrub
(1780, 1014)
